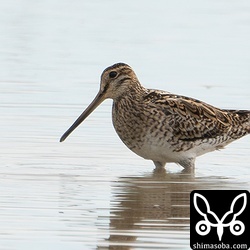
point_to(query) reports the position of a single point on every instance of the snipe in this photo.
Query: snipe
(161, 126)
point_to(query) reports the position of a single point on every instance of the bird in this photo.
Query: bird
(161, 126)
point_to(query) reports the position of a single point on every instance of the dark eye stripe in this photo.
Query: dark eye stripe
(124, 79)
(112, 74)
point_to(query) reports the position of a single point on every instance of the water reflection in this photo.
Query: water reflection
(153, 210)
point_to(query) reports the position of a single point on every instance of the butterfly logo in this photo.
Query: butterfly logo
(210, 219)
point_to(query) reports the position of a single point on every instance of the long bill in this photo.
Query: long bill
(92, 106)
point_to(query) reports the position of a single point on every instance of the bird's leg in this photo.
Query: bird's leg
(189, 166)
(159, 165)
(188, 163)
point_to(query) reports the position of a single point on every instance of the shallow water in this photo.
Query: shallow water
(91, 192)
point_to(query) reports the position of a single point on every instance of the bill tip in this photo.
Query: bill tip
(61, 139)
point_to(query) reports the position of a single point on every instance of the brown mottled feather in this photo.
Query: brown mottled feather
(195, 120)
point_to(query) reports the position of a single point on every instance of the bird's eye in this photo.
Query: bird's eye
(112, 74)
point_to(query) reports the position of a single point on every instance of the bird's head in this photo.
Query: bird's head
(116, 81)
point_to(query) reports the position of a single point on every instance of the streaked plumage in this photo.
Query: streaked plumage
(161, 126)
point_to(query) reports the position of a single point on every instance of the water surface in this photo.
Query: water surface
(91, 192)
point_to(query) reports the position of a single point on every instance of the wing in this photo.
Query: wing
(190, 119)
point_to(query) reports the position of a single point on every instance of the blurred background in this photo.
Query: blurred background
(52, 53)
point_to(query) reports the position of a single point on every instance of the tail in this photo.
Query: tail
(241, 118)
